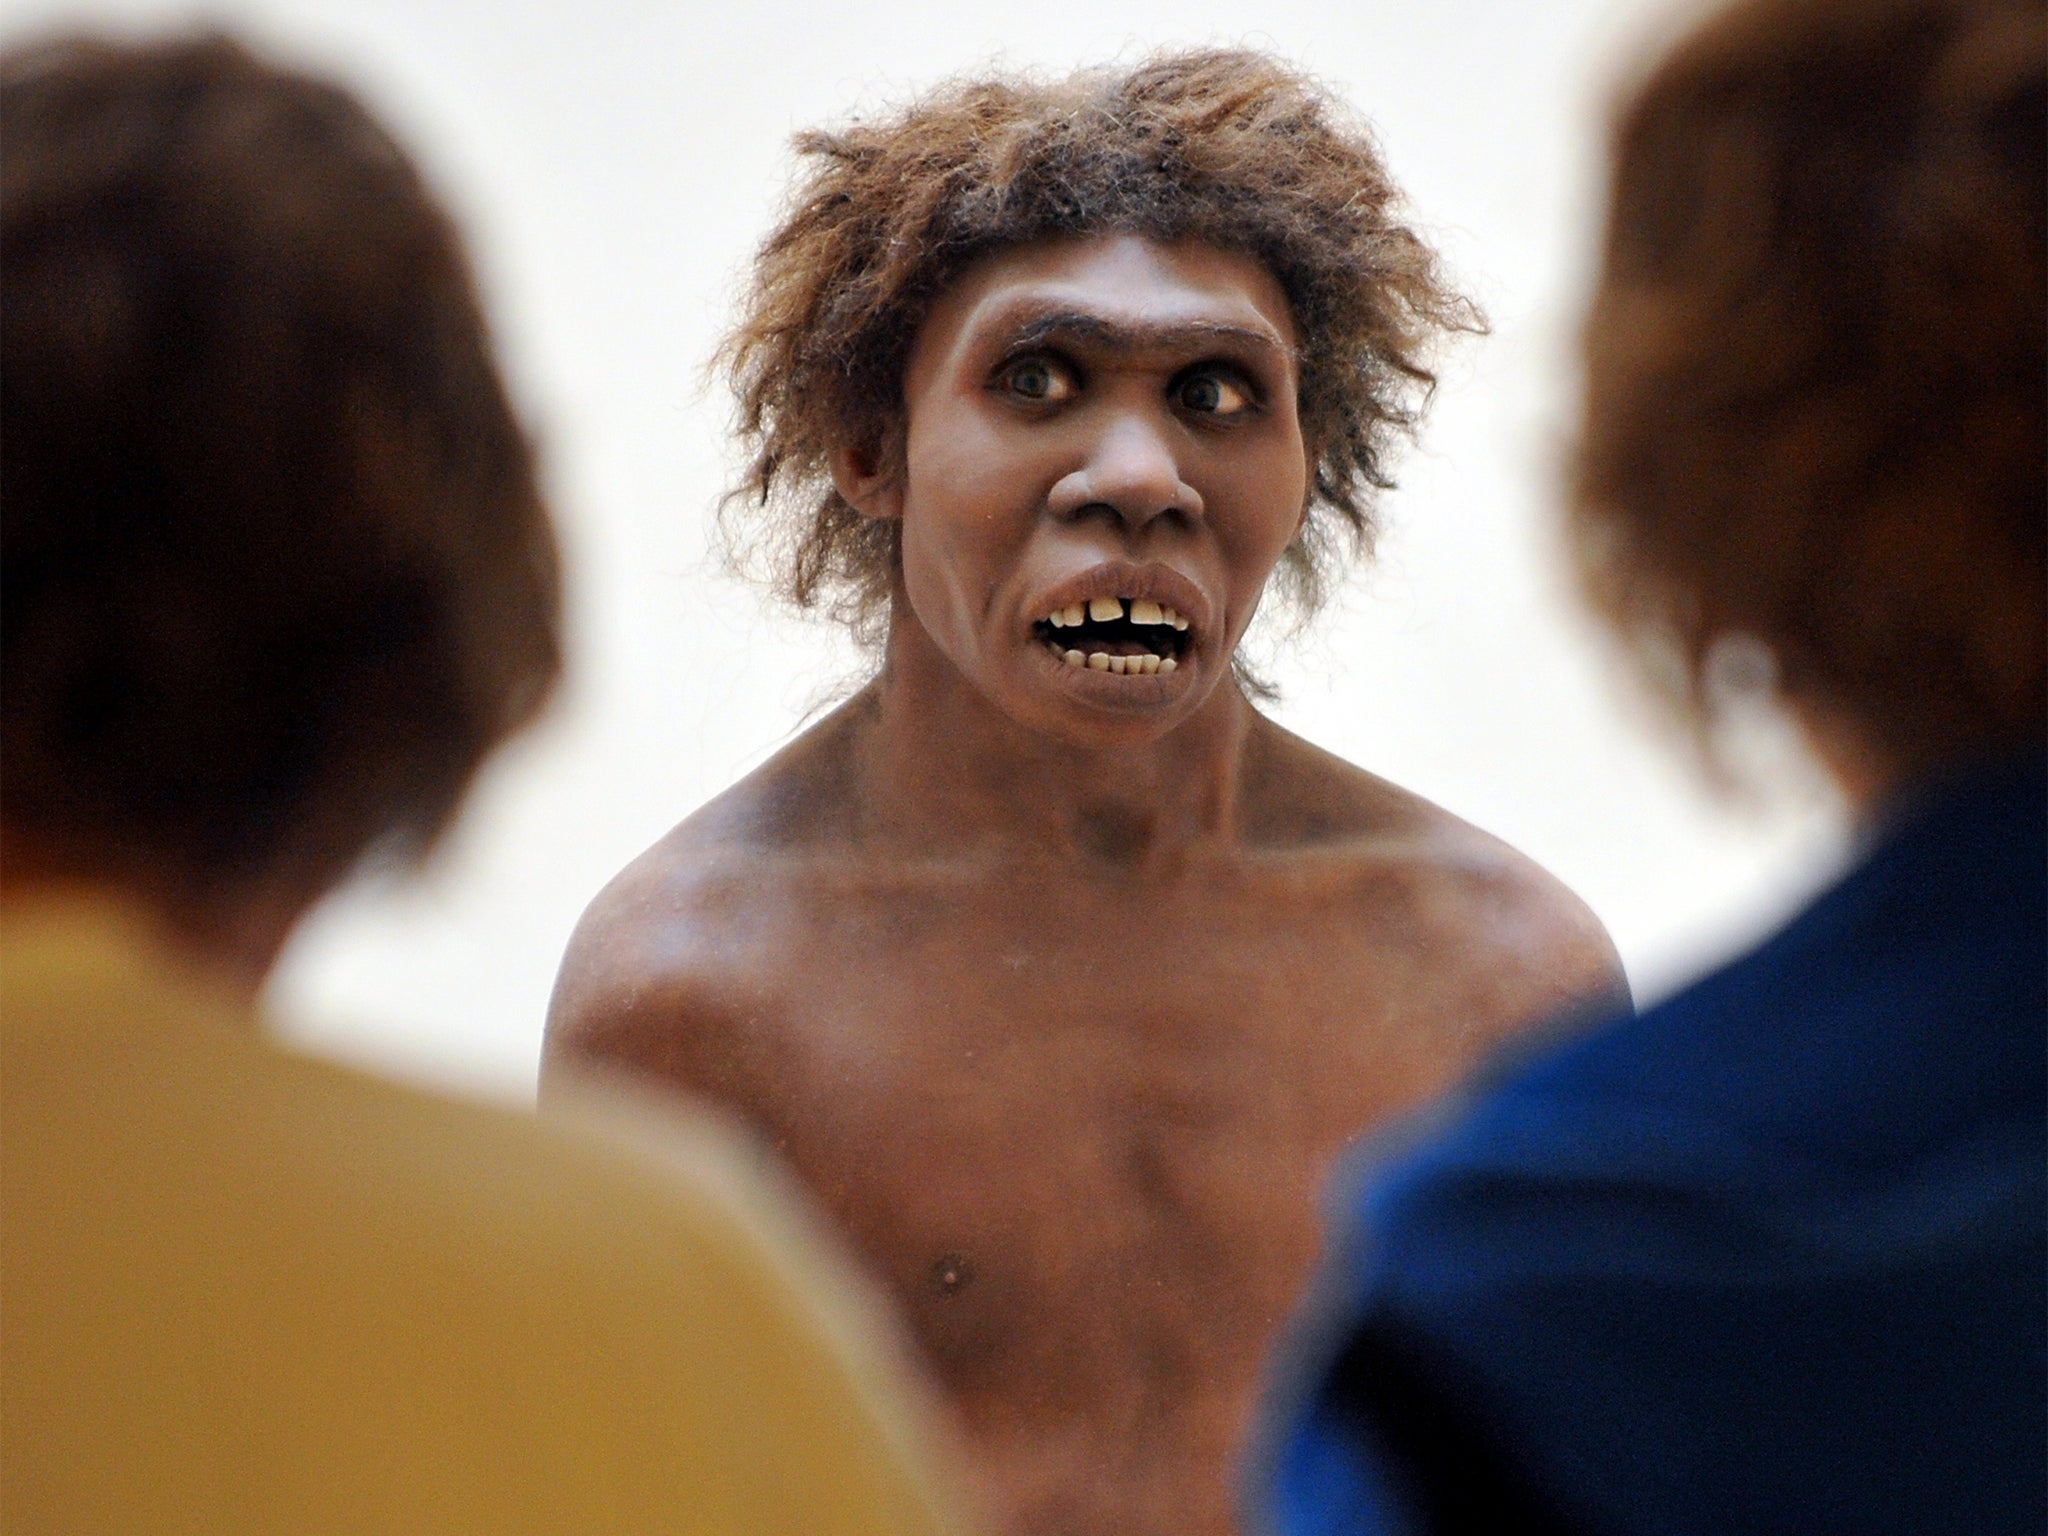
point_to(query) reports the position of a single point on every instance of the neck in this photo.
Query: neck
(232, 942)
(941, 768)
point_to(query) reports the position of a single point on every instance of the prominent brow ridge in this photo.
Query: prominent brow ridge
(1123, 336)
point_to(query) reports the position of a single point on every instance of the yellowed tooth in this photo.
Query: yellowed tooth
(1176, 618)
(1167, 664)
(1098, 661)
(1072, 615)
(1119, 665)
(1103, 609)
(1148, 664)
(1057, 618)
(1145, 611)
(1074, 659)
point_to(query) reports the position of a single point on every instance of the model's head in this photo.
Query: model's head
(276, 572)
(1172, 172)
(1815, 366)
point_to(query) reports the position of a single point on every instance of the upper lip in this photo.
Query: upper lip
(1118, 578)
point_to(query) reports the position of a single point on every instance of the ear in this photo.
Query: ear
(864, 485)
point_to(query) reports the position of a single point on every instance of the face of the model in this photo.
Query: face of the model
(1103, 463)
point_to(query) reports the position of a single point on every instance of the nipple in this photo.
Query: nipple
(951, 1273)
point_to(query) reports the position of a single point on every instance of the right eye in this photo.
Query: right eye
(1037, 379)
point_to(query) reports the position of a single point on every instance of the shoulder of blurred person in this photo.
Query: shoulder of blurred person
(250, 1291)
(1771, 1257)
(1768, 1257)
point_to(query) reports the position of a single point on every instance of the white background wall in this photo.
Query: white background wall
(615, 161)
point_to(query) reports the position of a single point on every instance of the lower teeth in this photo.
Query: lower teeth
(1121, 666)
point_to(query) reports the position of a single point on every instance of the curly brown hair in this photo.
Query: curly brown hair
(1228, 147)
(1816, 366)
(276, 570)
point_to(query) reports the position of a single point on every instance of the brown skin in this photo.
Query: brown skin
(1064, 989)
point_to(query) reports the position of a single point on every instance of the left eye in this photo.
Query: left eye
(1211, 395)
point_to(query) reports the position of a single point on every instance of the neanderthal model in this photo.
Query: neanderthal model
(1058, 971)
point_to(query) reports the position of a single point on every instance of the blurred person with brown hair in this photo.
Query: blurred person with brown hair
(1773, 1256)
(1059, 970)
(277, 577)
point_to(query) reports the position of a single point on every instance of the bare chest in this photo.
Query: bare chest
(1081, 1130)
(1084, 1136)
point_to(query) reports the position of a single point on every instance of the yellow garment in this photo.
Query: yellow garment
(242, 1291)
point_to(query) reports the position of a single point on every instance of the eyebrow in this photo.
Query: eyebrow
(1123, 336)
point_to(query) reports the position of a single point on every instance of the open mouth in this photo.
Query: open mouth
(1126, 636)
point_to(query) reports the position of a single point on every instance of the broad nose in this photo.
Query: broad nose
(1132, 470)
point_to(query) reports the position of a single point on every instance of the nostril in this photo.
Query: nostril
(1133, 515)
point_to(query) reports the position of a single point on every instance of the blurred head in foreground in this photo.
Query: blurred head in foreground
(1771, 1255)
(277, 578)
(276, 573)
(1815, 366)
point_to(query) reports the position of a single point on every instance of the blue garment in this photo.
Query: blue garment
(1770, 1257)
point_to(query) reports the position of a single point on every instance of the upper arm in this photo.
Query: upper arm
(639, 992)
(1501, 942)
(1576, 964)
(592, 1012)
(1536, 951)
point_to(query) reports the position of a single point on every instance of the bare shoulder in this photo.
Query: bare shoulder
(677, 958)
(1484, 910)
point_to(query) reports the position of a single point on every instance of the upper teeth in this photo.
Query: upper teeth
(1104, 610)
